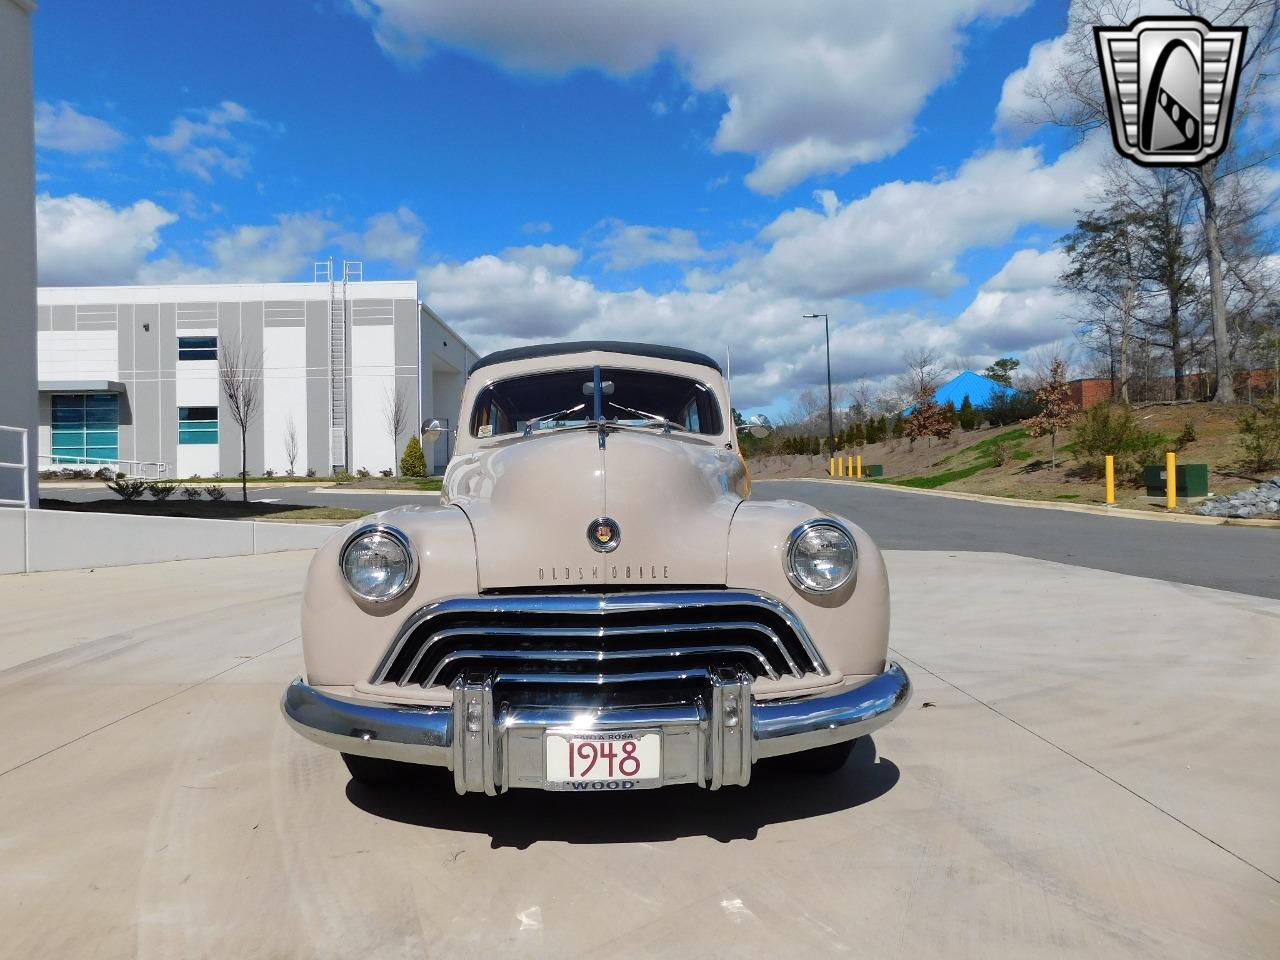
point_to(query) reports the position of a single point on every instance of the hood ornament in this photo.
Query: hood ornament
(604, 535)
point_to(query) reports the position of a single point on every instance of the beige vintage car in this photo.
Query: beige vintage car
(595, 603)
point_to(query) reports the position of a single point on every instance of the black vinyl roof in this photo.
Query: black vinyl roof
(605, 346)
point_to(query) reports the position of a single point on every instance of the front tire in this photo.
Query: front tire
(375, 771)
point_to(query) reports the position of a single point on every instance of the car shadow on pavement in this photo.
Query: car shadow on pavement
(521, 818)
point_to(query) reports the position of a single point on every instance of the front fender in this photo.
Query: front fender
(342, 637)
(851, 626)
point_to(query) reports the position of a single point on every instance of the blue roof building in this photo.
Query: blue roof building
(979, 389)
(975, 386)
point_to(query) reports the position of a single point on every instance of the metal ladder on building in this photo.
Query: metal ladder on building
(353, 272)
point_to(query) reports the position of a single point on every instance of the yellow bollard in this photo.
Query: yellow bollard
(850, 467)
(1111, 480)
(859, 466)
(832, 468)
(1171, 480)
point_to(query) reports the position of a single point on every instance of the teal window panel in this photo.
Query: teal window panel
(198, 425)
(101, 438)
(197, 348)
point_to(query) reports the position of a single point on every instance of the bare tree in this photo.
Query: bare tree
(1070, 95)
(291, 443)
(924, 371)
(240, 375)
(395, 413)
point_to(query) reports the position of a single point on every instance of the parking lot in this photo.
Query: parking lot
(1087, 769)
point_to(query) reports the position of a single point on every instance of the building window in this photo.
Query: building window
(85, 427)
(197, 348)
(197, 424)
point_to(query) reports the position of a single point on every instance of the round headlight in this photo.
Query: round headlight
(378, 563)
(821, 556)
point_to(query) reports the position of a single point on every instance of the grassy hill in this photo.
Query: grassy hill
(1007, 462)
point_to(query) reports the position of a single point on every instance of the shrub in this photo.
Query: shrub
(413, 463)
(1260, 436)
(311, 471)
(386, 472)
(103, 473)
(162, 490)
(128, 489)
(215, 492)
(363, 473)
(1001, 451)
(268, 472)
(191, 493)
(1186, 437)
(1105, 429)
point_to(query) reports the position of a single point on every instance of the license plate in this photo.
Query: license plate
(607, 760)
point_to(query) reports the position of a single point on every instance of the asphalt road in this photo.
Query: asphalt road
(1242, 559)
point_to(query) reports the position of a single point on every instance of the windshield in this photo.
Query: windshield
(566, 398)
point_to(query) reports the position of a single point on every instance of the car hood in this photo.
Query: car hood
(532, 500)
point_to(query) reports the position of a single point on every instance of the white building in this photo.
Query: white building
(18, 262)
(129, 376)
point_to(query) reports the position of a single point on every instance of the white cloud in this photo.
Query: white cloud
(283, 250)
(80, 240)
(394, 237)
(537, 226)
(810, 89)
(62, 127)
(555, 257)
(910, 234)
(626, 246)
(1020, 307)
(204, 143)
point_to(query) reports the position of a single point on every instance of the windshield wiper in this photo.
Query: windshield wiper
(667, 425)
(530, 424)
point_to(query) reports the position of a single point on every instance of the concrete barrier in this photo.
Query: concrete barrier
(36, 540)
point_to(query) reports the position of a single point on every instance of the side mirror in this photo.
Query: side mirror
(759, 426)
(432, 429)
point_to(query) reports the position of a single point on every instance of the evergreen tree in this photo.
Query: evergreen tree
(413, 463)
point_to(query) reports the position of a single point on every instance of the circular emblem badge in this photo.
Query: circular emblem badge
(604, 535)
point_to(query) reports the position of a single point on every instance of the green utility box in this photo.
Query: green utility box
(1192, 480)
(873, 469)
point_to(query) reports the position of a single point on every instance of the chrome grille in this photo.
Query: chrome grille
(600, 638)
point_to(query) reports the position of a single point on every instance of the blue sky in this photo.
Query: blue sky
(702, 178)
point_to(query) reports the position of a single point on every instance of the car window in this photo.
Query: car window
(565, 398)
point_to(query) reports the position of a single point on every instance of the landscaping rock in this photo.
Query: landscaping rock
(1260, 501)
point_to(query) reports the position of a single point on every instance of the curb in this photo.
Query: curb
(1096, 510)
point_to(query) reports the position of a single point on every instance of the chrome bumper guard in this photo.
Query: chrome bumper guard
(704, 742)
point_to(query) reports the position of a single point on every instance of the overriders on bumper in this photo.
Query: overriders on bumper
(704, 742)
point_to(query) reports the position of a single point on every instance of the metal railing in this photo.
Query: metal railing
(22, 465)
(136, 469)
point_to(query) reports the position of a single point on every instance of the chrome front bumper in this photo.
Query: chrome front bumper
(703, 741)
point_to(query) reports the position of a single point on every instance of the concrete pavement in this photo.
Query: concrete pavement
(1243, 559)
(1087, 770)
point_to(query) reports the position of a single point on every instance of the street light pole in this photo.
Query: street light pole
(831, 420)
